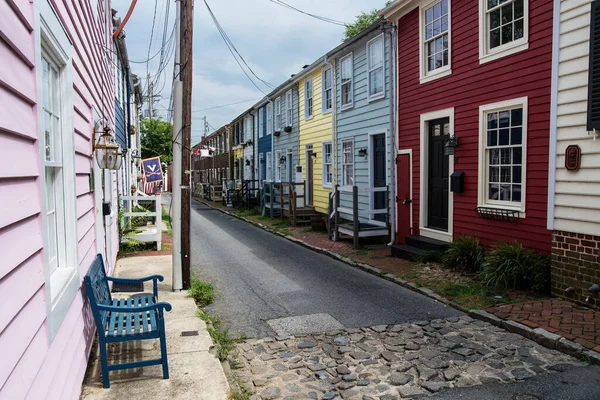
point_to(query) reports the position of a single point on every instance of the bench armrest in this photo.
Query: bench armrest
(155, 306)
(154, 278)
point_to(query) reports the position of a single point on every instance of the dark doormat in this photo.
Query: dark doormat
(128, 287)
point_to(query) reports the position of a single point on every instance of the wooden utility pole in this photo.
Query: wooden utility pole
(187, 23)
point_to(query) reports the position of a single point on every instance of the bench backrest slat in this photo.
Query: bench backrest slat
(98, 291)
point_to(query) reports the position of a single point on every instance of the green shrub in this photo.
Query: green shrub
(464, 253)
(202, 292)
(512, 266)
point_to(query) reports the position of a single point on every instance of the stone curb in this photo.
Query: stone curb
(539, 335)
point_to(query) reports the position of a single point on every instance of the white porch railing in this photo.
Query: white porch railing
(147, 234)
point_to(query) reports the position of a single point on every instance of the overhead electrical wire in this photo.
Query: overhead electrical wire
(150, 45)
(225, 105)
(324, 19)
(233, 50)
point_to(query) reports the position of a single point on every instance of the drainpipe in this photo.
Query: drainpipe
(392, 131)
(254, 147)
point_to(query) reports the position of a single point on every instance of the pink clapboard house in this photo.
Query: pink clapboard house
(56, 84)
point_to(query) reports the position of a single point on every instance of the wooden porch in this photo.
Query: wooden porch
(355, 228)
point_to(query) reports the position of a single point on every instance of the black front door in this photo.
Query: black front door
(379, 175)
(437, 204)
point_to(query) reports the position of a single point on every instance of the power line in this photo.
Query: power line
(151, 37)
(324, 19)
(225, 105)
(233, 49)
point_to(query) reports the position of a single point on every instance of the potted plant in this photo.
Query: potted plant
(276, 133)
(287, 129)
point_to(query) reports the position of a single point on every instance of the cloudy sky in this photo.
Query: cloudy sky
(275, 41)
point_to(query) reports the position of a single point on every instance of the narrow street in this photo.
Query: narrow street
(260, 277)
(387, 341)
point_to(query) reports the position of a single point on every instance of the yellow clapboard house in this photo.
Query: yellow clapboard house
(316, 104)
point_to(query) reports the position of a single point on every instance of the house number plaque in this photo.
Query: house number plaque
(572, 157)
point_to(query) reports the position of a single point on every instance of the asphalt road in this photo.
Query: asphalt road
(259, 277)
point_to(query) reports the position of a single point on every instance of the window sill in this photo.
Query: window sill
(347, 107)
(308, 118)
(328, 185)
(520, 210)
(376, 97)
(327, 112)
(63, 287)
(435, 75)
(503, 52)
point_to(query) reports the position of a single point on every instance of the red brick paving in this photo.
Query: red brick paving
(556, 316)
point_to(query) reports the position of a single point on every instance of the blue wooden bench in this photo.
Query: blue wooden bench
(123, 320)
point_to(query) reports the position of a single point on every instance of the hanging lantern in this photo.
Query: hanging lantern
(450, 145)
(108, 152)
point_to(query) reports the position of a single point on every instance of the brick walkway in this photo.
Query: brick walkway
(556, 316)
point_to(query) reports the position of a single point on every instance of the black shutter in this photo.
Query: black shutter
(593, 111)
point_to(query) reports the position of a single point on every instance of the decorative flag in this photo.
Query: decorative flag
(152, 170)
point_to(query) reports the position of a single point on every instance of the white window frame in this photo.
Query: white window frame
(345, 164)
(308, 82)
(289, 104)
(485, 53)
(278, 114)
(482, 198)
(324, 163)
(269, 118)
(63, 284)
(325, 89)
(350, 104)
(428, 76)
(371, 69)
(269, 172)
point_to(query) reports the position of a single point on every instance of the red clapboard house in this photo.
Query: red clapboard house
(473, 80)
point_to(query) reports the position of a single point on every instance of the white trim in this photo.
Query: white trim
(381, 94)
(371, 172)
(62, 285)
(306, 98)
(553, 115)
(323, 89)
(349, 105)
(270, 113)
(482, 176)
(323, 173)
(486, 54)
(349, 140)
(424, 173)
(410, 179)
(424, 75)
(277, 113)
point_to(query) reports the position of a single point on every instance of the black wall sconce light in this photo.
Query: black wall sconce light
(314, 155)
(247, 162)
(282, 160)
(450, 145)
(362, 152)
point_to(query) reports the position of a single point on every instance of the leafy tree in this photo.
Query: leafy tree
(362, 22)
(157, 139)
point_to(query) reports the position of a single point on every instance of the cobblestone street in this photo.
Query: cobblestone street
(391, 362)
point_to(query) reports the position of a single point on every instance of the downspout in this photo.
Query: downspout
(553, 115)
(128, 87)
(392, 129)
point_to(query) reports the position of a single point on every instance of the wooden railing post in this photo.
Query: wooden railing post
(355, 223)
(337, 213)
(271, 199)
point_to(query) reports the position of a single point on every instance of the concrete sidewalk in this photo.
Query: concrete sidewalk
(195, 373)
